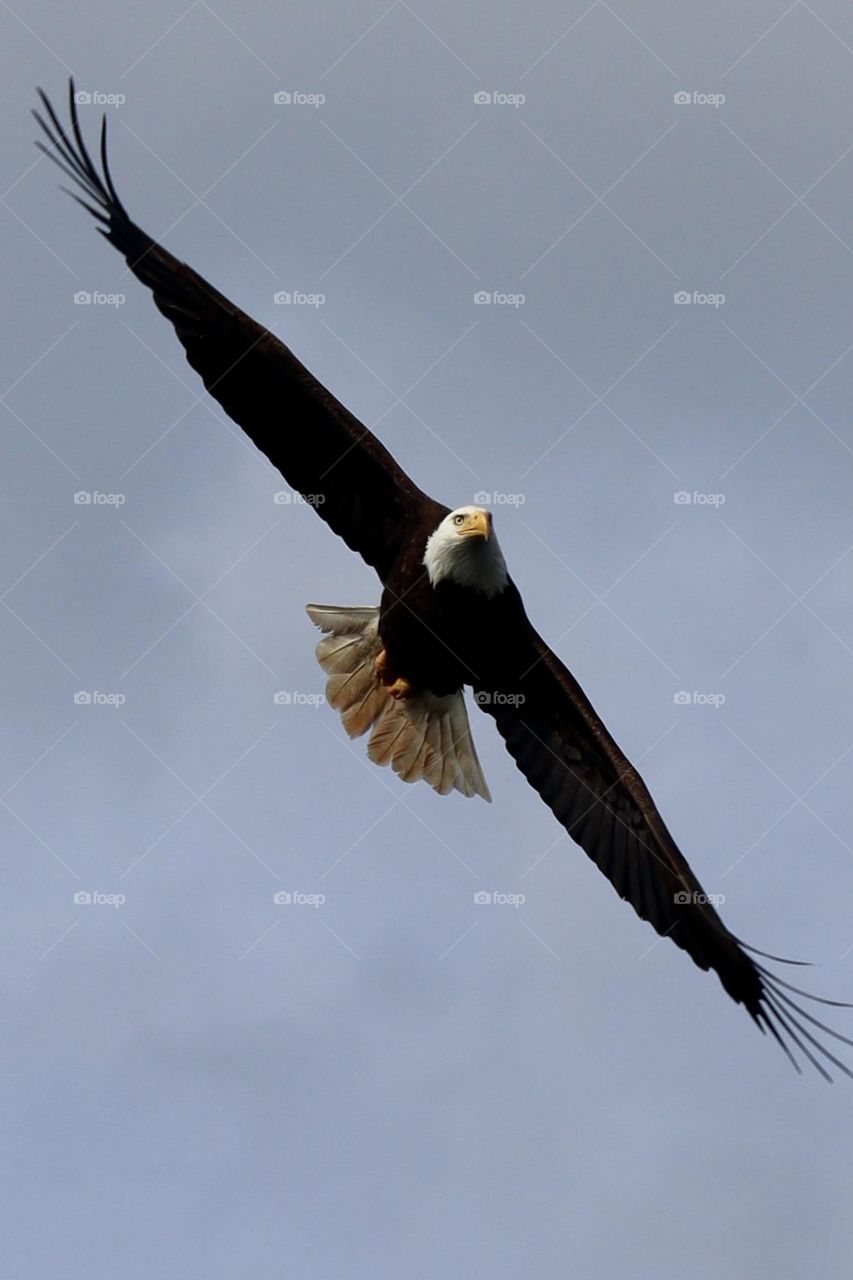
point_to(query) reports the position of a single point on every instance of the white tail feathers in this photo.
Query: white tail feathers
(420, 737)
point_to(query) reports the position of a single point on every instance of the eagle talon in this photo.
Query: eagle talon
(397, 686)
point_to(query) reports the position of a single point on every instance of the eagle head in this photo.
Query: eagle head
(463, 549)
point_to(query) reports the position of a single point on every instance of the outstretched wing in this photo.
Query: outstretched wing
(320, 448)
(567, 755)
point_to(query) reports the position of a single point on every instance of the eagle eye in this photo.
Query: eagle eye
(457, 520)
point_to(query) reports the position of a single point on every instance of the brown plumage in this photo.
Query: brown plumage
(429, 631)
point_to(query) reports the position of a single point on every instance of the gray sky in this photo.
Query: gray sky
(401, 1082)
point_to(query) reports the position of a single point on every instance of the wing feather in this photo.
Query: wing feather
(564, 750)
(320, 448)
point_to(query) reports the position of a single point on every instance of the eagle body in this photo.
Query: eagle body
(448, 636)
(448, 618)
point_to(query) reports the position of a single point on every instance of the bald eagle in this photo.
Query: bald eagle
(449, 616)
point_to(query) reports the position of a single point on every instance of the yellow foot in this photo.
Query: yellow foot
(401, 688)
(397, 686)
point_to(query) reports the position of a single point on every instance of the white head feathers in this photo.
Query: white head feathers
(465, 550)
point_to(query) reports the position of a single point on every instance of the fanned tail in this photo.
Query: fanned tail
(424, 736)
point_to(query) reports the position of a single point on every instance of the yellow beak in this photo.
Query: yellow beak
(479, 526)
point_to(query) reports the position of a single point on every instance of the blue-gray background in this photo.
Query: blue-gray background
(401, 1082)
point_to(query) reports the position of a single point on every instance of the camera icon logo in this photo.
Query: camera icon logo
(682, 698)
(282, 98)
(82, 698)
(681, 99)
(282, 698)
(282, 898)
(482, 298)
(682, 897)
(482, 99)
(83, 898)
(682, 298)
(482, 898)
